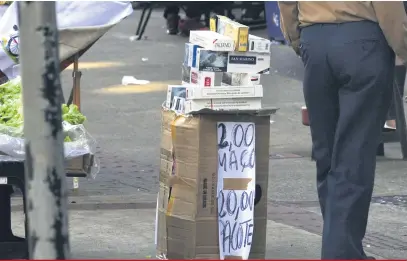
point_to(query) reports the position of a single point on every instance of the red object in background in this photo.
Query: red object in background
(304, 116)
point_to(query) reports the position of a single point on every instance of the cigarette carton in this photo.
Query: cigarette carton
(194, 77)
(211, 61)
(178, 104)
(226, 92)
(190, 54)
(174, 91)
(240, 79)
(255, 63)
(223, 104)
(259, 45)
(212, 41)
(238, 32)
(205, 79)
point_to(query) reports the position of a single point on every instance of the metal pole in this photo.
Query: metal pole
(44, 165)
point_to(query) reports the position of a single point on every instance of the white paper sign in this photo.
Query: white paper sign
(236, 185)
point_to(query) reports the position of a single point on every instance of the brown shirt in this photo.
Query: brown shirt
(390, 15)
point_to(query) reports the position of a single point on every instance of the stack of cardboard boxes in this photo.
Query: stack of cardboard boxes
(222, 69)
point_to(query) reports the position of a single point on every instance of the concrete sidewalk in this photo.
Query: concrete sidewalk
(129, 234)
(117, 227)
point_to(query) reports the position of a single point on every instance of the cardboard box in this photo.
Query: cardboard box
(238, 32)
(240, 79)
(211, 61)
(174, 91)
(227, 92)
(222, 104)
(190, 54)
(259, 45)
(254, 63)
(79, 165)
(187, 224)
(212, 41)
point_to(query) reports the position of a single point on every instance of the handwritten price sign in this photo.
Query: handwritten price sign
(236, 185)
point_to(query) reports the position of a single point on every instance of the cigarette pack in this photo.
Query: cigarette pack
(238, 32)
(205, 79)
(178, 104)
(249, 62)
(223, 104)
(211, 41)
(240, 79)
(190, 54)
(224, 92)
(259, 45)
(174, 91)
(211, 61)
(185, 74)
(194, 77)
(214, 23)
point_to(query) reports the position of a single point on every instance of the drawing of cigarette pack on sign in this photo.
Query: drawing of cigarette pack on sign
(212, 41)
(254, 63)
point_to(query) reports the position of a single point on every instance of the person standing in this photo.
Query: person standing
(348, 50)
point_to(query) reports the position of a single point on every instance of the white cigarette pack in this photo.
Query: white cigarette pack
(226, 92)
(258, 44)
(249, 62)
(193, 77)
(174, 91)
(178, 104)
(223, 104)
(240, 79)
(190, 54)
(213, 41)
(210, 61)
(205, 79)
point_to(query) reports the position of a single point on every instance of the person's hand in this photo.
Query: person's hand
(399, 61)
(296, 47)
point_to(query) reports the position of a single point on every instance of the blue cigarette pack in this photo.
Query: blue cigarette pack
(190, 54)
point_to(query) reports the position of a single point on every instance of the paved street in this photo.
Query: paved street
(113, 215)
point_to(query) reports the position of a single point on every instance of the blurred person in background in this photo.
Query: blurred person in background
(400, 78)
(348, 50)
(193, 14)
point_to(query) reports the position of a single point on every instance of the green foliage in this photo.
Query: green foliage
(11, 110)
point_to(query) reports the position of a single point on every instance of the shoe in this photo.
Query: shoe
(388, 128)
(190, 24)
(172, 24)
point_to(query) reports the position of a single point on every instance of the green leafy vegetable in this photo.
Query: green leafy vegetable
(11, 110)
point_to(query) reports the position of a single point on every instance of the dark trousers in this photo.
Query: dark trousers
(347, 86)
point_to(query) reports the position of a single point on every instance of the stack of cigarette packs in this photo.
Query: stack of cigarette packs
(221, 69)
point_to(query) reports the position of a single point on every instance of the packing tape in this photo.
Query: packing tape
(173, 179)
(169, 206)
(236, 183)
